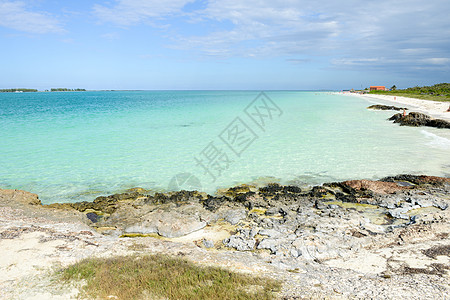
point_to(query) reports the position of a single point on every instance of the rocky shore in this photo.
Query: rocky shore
(351, 239)
(413, 118)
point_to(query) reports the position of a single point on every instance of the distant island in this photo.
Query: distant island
(22, 90)
(66, 90)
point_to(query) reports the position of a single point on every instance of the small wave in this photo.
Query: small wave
(436, 140)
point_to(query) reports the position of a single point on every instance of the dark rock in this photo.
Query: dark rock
(395, 118)
(273, 189)
(319, 192)
(292, 189)
(175, 197)
(233, 192)
(243, 197)
(342, 186)
(93, 217)
(214, 203)
(417, 179)
(414, 119)
(346, 197)
(107, 204)
(385, 107)
(419, 119)
(438, 123)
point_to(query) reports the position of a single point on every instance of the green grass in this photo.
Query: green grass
(413, 95)
(437, 92)
(163, 277)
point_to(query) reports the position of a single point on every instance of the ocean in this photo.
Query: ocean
(75, 146)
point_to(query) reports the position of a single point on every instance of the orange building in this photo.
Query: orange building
(377, 88)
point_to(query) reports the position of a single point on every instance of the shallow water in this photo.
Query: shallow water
(73, 146)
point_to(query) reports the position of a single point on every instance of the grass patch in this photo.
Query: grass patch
(159, 276)
(443, 98)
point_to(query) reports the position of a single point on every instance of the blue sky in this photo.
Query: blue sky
(223, 44)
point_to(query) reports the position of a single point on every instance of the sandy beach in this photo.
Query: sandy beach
(433, 108)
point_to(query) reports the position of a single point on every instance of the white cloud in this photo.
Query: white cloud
(15, 15)
(111, 36)
(131, 12)
(356, 61)
(390, 34)
(437, 60)
(398, 34)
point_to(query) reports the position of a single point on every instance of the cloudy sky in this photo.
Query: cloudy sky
(223, 44)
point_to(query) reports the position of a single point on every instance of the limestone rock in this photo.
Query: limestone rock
(270, 244)
(239, 243)
(234, 216)
(18, 197)
(378, 187)
(169, 224)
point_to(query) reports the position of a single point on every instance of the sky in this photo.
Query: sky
(223, 44)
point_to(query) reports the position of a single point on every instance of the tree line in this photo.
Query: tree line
(17, 90)
(437, 92)
(66, 90)
(440, 89)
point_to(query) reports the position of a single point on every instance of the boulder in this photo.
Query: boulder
(417, 179)
(168, 224)
(18, 197)
(414, 119)
(214, 203)
(419, 119)
(395, 118)
(438, 123)
(273, 189)
(378, 187)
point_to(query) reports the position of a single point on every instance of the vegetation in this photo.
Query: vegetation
(17, 90)
(158, 276)
(437, 92)
(66, 90)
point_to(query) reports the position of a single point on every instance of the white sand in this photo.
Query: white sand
(433, 108)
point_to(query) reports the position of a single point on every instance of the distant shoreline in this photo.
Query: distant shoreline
(433, 108)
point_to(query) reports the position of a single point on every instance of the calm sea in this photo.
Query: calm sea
(74, 146)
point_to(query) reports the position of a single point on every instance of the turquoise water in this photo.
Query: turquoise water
(73, 146)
